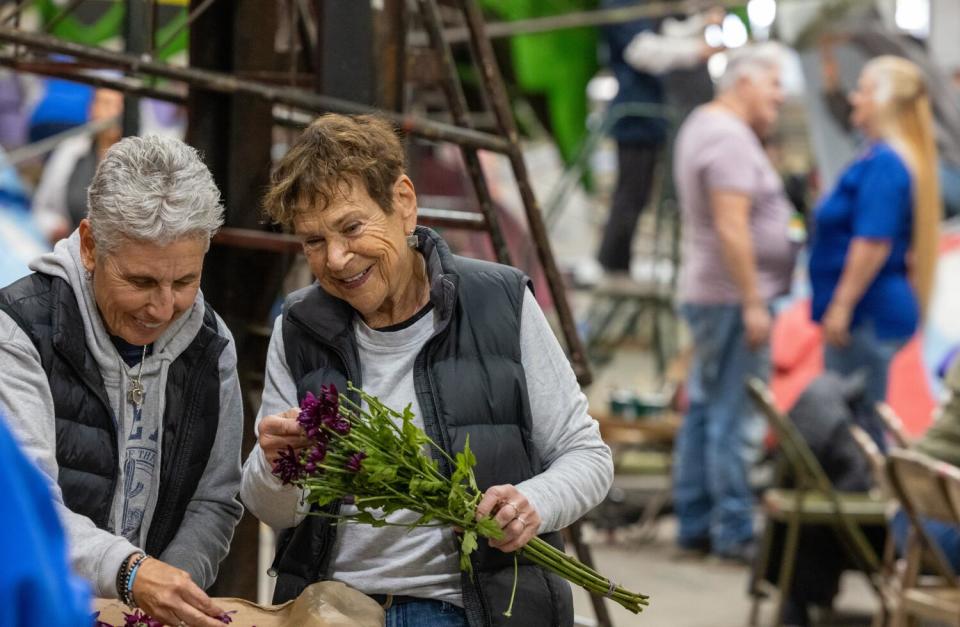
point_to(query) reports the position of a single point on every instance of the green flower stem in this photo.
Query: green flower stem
(371, 401)
(513, 593)
(365, 442)
(551, 558)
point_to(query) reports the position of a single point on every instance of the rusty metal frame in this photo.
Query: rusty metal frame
(457, 102)
(470, 140)
(230, 84)
(191, 18)
(17, 12)
(492, 80)
(67, 10)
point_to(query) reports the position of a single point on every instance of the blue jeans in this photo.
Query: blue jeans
(720, 434)
(426, 613)
(870, 355)
(946, 536)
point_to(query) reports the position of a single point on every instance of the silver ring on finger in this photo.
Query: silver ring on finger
(523, 522)
(516, 510)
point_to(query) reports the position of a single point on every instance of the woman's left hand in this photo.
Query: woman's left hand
(517, 517)
(836, 324)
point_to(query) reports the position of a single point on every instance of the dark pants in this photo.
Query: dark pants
(634, 181)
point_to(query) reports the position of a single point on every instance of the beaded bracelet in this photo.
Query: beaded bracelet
(133, 576)
(123, 577)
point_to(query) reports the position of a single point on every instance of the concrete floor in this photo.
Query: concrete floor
(687, 592)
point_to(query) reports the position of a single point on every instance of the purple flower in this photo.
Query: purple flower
(355, 461)
(321, 411)
(288, 466)
(340, 425)
(139, 619)
(309, 417)
(318, 453)
(226, 618)
(329, 396)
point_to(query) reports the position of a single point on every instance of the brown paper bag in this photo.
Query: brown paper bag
(323, 604)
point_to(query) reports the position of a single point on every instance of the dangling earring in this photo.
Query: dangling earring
(413, 241)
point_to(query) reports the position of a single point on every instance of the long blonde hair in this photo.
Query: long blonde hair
(905, 120)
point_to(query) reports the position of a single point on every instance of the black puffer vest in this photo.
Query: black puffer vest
(45, 307)
(469, 381)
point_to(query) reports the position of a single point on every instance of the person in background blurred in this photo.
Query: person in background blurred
(948, 147)
(639, 53)
(60, 202)
(62, 105)
(37, 586)
(874, 247)
(737, 257)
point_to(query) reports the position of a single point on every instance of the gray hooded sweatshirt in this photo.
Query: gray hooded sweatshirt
(96, 554)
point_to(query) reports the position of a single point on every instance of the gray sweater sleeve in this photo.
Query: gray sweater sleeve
(27, 404)
(578, 467)
(204, 536)
(272, 502)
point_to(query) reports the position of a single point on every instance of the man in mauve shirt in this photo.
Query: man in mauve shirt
(737, 257)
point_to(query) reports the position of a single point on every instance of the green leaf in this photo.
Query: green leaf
(488, 528)
(468, 544)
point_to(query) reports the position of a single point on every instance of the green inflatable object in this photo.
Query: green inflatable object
(557, 65)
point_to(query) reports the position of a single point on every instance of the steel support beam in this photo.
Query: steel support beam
(223, 82)
(137, 32)
(457, 102)
(493, 85)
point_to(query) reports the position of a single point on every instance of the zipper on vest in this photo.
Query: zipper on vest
(420, 367)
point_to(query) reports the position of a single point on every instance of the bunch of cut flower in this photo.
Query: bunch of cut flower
(379, 457)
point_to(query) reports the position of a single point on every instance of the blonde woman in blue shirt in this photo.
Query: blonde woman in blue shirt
(874, 249)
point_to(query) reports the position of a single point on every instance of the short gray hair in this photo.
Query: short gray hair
(749, 61)
(152, 188)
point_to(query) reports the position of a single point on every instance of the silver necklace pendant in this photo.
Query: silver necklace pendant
(135, 395)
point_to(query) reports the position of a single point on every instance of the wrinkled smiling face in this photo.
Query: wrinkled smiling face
(358, 251)
(141, 288)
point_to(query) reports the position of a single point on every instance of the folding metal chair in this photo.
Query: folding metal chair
(881, 482)
(928, 490)
(813, 501)
(893, 425)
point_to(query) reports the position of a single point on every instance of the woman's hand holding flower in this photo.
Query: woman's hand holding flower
(279, 431)
(517, 517)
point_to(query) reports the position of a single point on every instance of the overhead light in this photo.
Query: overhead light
(602, 88)
(713, 35)
(762, 13)
(717, 65)
(734, 31)
(913, 16)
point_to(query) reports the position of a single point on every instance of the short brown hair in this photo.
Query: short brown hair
(331, 155)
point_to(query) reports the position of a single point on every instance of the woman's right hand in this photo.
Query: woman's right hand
(278, 431)
(169, 595)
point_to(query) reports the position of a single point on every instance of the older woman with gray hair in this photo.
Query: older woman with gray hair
(120, 383)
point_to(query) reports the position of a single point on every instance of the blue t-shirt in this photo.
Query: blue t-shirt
(873, 200)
